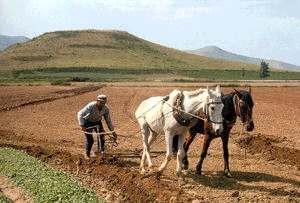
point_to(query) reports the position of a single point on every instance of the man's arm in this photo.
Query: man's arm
(110, 125)
(83, 113)
(108, 120)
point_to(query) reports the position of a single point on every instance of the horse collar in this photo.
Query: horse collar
(178, 111)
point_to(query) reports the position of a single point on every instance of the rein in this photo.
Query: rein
(111, 138)
(193, 115)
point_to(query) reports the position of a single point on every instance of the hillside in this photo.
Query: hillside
(6, 41)
(111, 49)
(218, 53)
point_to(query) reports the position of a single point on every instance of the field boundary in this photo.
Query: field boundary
(225, 83)
(56, 95)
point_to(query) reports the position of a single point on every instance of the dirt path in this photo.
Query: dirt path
(269, 170)
(13, 192)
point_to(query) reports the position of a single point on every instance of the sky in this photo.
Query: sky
(267, 29)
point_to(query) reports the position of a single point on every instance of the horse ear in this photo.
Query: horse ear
(218, 89)
(207, 90)
(249, 89)
(238, 93)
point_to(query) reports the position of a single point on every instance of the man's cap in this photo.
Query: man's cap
(101, 97)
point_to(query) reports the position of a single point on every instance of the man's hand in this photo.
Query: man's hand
(114, 139)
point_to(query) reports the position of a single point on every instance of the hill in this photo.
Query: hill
(218, 53)
(6, 41)
(111, 49)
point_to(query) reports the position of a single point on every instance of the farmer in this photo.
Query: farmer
(89, 119)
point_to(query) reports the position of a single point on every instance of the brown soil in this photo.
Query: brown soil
(18, 96)
(265, 163)
(13, 192)
(266, 145)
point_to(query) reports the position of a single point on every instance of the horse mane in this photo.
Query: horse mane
(175, 93)
(193, 93)
(246, 97)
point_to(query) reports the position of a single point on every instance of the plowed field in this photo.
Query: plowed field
(265, 163)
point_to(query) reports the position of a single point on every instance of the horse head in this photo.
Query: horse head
(243, 105)
(213, 110)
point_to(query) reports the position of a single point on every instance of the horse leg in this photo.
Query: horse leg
(150, 141)
(175, 144)
(226, 155)
(206, 143)
(180, 155)
(169, 143)
(145, 135)
(186, 145)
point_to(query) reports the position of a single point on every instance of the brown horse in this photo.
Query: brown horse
(236, 104)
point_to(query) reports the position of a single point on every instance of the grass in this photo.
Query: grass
(43, 183)
(63, 76)
(60, 82)
(4, 199)
(98, 48)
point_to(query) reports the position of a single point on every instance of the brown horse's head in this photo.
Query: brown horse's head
(243, 105)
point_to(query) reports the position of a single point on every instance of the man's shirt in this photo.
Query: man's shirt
(92, 113)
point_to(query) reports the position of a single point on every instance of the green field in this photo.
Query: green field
(43, 183)
(4, 199)
(84, 74)
(62, 57)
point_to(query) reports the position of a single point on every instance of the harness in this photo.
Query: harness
(180, 115)
(178, 111)
(165, 99)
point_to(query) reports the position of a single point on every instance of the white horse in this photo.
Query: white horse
(155, 116)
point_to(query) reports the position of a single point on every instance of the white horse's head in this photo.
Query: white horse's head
(213, 110)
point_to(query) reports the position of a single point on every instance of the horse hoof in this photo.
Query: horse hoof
(228, 174)
(159, 171)
(181, 181)
(151, 168)
(198, 172)
(158, 174)
(178, 173)
(142, 171)
(185, 167)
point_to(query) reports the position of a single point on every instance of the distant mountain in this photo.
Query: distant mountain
(218, 53)
(104, 48)
(6, 41)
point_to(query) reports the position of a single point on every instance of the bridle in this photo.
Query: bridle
(207, 113)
